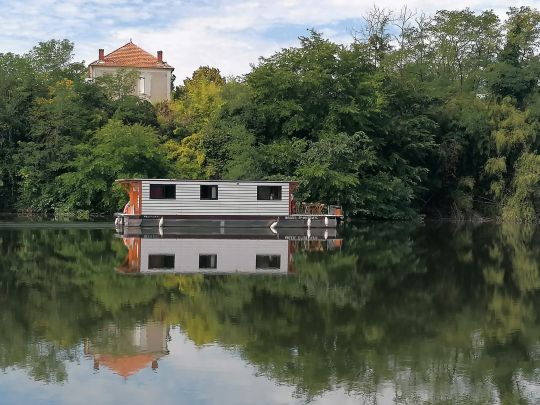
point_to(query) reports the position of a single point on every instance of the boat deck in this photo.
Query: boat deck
(274, 222)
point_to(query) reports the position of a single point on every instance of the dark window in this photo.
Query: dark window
(267, 262)
(207, 261)
(162, 191)
(268, 192)
(161, 261)
(209, 193)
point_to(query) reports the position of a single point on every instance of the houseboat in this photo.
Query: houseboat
(209, 203)
(212, 254)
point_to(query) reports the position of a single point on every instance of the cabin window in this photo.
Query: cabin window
(209, 192)
(207, 261)
(267, 262)
(268, 192)
(162, 191)
(156, 262)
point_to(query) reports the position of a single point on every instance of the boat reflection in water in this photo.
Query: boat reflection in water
(127, 351)
(226, 251)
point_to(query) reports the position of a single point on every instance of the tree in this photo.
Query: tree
(18, 89)
(302, 92)
(114, 151)
(119, 84)
(205, 74)
(332, 168)
(465, 43)
(59, 122)
(188, 158)
(134, 110)
(199, 102)
(522, 34)
(512, 137)
(376, 35)
(515, 74)
(523, 203)
(53, 61)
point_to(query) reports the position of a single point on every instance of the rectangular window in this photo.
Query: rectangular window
(162, 191)
(207, 261)
(268, 192)
(209, 192)
(267, 262)
(160, 262)
(141, 86)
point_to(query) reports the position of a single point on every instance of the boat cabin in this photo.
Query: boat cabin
(159, 202)
(217, 254)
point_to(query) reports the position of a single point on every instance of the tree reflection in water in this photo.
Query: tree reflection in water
(439, 312)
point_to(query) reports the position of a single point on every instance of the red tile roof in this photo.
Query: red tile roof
(130, 55)
(126, 365)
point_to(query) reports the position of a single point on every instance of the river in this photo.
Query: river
(385, 313)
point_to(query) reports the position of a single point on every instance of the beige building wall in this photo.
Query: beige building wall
(153, 85)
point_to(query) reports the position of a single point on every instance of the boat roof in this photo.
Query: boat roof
(208, 181)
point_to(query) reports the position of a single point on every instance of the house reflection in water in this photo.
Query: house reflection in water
(227, 254)
(126, 351)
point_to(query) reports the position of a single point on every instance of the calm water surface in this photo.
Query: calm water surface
(385, 313)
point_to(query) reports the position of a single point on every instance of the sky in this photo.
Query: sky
(229, 35)
(189, 374)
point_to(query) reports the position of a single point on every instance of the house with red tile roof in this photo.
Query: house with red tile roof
(128, 350)
(155, 75)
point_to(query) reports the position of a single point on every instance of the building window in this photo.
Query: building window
(141, 86)
(160, 262)
(209, 192)
(268, 192)
(162, 191)
(267, 262)
(207, 261)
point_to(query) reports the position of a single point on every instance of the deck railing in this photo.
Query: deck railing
(304, 208)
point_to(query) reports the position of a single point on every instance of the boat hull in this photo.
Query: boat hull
(228, 233)
(289, 221)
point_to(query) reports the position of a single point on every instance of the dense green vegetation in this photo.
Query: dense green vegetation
(440, 313)
(419, 114)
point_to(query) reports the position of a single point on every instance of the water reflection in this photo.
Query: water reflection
(227, 253)
(127, 351)
(395, 313)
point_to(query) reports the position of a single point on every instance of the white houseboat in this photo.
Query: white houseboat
(209, 203)
(211, 254)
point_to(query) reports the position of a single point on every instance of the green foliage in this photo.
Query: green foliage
(119, 84)
(523, 203)
(59, 122)
(331, 169)
(53, 61)
(195, 104)
(17, 93)
(463, 196)
(229, 149)
(515, 74)
(204, 74)
(417, 115)
(116, 151)
(305, 91)
(454, 307)
(464, 44)
(187, 158)
(523, 34)
(133, 110)
(280, 159)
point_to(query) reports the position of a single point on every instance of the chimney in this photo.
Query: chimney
(101, 54)
(160, 56)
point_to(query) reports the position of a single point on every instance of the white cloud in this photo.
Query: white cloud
(226, 34)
